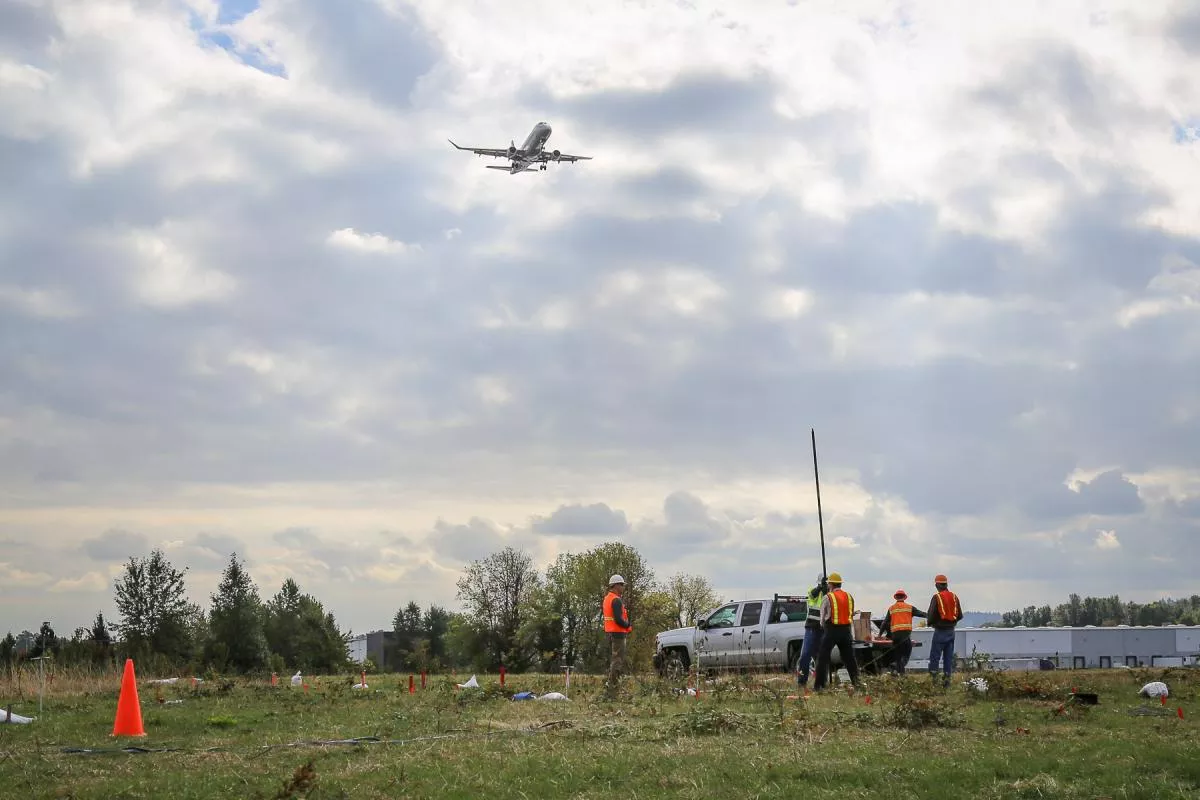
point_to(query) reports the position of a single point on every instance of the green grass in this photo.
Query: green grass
(743, 737)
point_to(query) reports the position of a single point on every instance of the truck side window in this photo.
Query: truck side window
(723, 617)
(787, 611)
(751, 613)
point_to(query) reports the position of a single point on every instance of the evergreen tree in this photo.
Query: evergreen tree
(300, 632)
(236, 636)
(8, 649)
(437, 624)
(45, 643)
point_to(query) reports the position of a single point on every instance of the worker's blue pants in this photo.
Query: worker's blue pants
(942, 649)
(808, 652)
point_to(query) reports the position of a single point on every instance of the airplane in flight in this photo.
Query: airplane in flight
(529, 155)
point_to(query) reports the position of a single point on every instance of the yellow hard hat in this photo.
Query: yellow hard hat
(835, 577)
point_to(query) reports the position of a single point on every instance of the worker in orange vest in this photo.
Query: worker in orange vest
(897, 626)
(944, 613)
(617, 629)
(837, 614)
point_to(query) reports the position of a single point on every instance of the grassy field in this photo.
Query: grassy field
(742, 737)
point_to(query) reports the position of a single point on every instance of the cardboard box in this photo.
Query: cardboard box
(861, 626)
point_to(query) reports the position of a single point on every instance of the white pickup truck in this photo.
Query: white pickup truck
(748, 634)
(752, 635)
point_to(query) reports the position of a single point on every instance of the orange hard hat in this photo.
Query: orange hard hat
(940, 579)
(900, 593)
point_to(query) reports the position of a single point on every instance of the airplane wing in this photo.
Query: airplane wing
(495, 152)
(562, 157)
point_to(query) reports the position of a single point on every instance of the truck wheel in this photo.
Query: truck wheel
(673, 667)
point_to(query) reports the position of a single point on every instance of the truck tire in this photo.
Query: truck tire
(674, 665)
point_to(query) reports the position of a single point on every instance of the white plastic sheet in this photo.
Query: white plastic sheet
(1155, 689)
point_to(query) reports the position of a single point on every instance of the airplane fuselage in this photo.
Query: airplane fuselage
(525, 156)
(536, 140)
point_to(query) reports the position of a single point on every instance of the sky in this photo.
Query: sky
(252, 301)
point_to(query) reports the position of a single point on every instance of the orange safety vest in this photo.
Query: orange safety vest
(947, 603)
(901, 616)
(610, 620)
(841, 607)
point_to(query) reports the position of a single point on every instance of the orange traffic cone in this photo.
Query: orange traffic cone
(129, 711)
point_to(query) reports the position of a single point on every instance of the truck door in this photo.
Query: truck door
(717, 645)
(751, 650)
(782, 628)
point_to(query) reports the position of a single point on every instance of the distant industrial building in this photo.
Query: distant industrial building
(377, 646)
(1087, 647)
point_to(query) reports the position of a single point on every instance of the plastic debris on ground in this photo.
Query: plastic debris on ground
(163, 680)
(524, 696)
(1155, 689)
(979, 685)
(297, 679)
(554, 696)
(471, 684)
(7, 717)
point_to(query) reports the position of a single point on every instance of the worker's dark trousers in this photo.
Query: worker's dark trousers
(901, 650)
(841, 637)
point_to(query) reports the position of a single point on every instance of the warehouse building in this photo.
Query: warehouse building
(377, 646)
(1087, 647)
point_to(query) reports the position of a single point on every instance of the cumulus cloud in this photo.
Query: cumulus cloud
(967, 255)
(350, 239)
(116, 545)
(596, 519)
(1107, 540)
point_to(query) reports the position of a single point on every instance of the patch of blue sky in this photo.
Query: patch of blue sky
(1187, 132)
(233, 11)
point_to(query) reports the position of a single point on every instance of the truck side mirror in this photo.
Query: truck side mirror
(701, 623)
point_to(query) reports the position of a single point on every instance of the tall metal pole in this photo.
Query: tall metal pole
(820, 518)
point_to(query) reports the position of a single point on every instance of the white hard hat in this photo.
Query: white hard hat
(615, 579)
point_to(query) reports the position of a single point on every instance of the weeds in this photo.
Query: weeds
(302, 781)
(921, 712)
(707, 720)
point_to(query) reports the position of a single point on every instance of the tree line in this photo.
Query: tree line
(1105, 612)
(523, 619)
(161, 629)
(512, 615)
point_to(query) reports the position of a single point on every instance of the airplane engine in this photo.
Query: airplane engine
(512, 151)
(555, 154)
